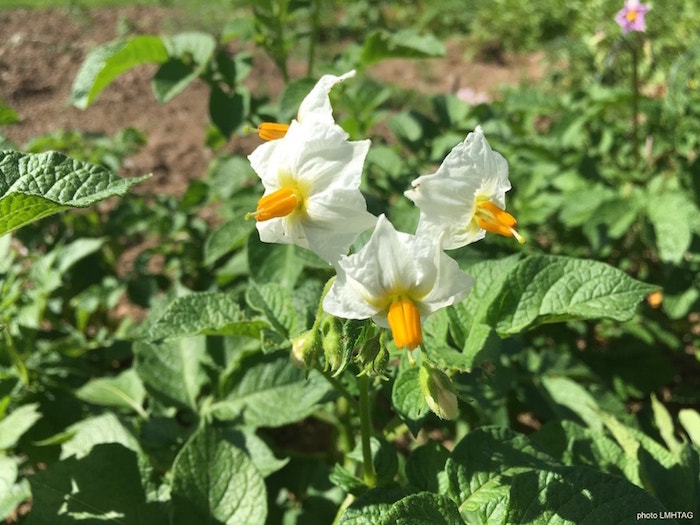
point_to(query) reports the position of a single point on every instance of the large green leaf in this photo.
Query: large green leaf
(674, 216)
(35, 185)
(11, 493)
(105, 485)
(423, 508)
(189, 53)
(206, 313)
(173, 371)
(275, 302)
(107, 62)
(268, 390)
(215, 482)
(408, 399)
(381, 44)
(497, 476)
(467, 323)
(16, 423)
(124, 391)
(547, 289)
(92, 431)
(372, 505)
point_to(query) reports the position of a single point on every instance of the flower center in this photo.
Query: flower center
(631, 15)
(493, 219)
(272, 130)
(404, 321)
(278, 204)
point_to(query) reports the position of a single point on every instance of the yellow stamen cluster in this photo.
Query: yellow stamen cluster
(404, 321)
(277, 204)
(272, 130)
(631, 15)
(493, 219)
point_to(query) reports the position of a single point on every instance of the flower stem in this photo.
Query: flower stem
(370, 475)
(635, 105)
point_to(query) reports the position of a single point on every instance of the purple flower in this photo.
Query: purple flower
(631, 17)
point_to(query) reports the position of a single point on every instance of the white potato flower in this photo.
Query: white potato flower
(398, 280)
(312, 199)
(465, 197)
(315, 106)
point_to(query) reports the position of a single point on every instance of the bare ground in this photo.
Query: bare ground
(42, 50)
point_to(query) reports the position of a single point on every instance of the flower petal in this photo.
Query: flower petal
(316, 105)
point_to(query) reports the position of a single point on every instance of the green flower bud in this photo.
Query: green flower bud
(305, 349)
(372, 357)
(438, 391)
(332, 330)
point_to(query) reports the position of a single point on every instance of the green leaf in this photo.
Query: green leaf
(90, 432)
(371, 506)
(346, 480)
(276, 303)
(226, 238)
(16, 423)
(570, 397)
(423, 508)
(11, 493)
(408, 400)
(124, 391)
(664, 423)
(548, 289)
(273, 262)
(260, 454)
(172, 371)
(35, 185)
(690, 419)
(576, 445)
(205, 313)
(215, 482)
(381, 44)
(105, 485)
(189, 53)
(576, 495)
(294, 92)
(496, 476)
(227, 110)
(406, 127)
(7, 116)
(425, 466)
(107, 62)
(268, 390)
(673, 215)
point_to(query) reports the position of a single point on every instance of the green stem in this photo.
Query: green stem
(635, 105)
(15, 358)
(370, 475)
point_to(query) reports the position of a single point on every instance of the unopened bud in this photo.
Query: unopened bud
(372, 357)
(438, 391)
(332, 330)
(305, 349)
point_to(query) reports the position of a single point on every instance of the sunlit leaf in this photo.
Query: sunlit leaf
(107, 62)
(548, 289)
(35, 185)
(214, 480)
(16, 423)
(173, 370)
(205, 313)
(268, 390)
(123, 391)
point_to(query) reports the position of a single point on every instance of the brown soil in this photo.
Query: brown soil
(42, 50)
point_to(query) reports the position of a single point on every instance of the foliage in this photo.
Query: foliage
(159, 388)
